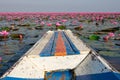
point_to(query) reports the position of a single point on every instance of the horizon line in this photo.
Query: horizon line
(61, 12)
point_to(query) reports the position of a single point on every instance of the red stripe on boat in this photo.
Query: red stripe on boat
(60, 47)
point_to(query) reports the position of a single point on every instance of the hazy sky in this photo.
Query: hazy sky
(60, 5)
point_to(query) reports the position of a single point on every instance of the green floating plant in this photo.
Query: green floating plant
(16, 36)
(4, 28)
(94, 37)
(61, 27)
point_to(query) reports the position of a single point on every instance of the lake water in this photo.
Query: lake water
(13, 48)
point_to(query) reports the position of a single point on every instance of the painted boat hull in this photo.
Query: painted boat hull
(79, 63)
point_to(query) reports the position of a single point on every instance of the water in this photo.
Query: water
(12, 49)
(108, 50)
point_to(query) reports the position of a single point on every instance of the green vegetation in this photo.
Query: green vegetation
(61, 27)
(16, 36)
(94, 37)
(5, 28)
(26, 24)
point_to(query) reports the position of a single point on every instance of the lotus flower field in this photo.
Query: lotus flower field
(20, 31)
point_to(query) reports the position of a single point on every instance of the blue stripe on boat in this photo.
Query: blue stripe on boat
(101, 76)
(54, 43)
(70, 47)
(15, 78)
(49, 49)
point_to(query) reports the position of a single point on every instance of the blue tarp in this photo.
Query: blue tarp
(59, 75)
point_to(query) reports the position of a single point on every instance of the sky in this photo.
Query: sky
(59, 5)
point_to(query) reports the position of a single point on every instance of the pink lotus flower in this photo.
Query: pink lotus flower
(64, 20)
(118, 34)
(97, 18)
(111, 34)
(115, 23)
(81, 26)
(49, 24)
(42, 23)
(4, 33)
(101, 18)
(0, 59)
(58, 24)
(106, 38)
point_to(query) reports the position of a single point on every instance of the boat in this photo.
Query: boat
(60, 55)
